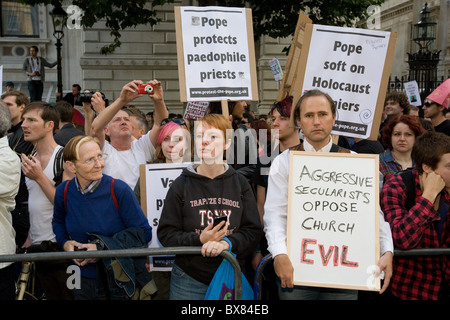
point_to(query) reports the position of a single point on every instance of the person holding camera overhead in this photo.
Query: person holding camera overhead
(123, 153)
(196, 202)
(33, 67)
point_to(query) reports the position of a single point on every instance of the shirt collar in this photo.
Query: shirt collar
(90, 188)
(308, 147)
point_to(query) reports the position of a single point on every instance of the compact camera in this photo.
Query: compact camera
(145, 88)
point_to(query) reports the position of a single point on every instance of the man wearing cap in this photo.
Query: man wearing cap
(435, 107)
(33, 67)
(9, 86)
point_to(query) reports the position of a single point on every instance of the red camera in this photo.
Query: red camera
(145, 88)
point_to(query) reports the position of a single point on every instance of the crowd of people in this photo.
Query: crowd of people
(66, 187)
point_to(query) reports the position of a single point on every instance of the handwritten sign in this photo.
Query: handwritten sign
(195, 110)
(156, 180)
(333, 238)
(352, 66)
(216, 58)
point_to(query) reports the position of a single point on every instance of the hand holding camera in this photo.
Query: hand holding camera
(145, 88)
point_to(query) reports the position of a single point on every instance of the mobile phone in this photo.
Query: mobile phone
(219, 219)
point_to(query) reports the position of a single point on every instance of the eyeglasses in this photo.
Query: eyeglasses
(179, 121)
(92, 161)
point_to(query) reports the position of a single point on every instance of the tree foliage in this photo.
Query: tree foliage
(271, 18)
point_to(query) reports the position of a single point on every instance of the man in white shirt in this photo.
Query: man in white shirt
(124, 154)
(9, 186)
(315, 113)
(39, 121)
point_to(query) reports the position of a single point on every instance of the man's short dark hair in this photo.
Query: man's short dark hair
(429, 149)
(313, 93)
(47, 112)
(399, 97)
(21, 98)
(65, 110)
(77, 85)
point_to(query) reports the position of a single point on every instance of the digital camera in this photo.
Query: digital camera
(87, 96)
(145, 88)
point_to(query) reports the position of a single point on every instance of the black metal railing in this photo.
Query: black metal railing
(397, 253)
(46, 256)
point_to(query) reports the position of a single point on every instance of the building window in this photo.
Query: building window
(19, 20)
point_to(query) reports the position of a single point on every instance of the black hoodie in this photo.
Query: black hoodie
(190, 205)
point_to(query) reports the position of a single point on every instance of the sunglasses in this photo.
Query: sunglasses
(179, 121)
(428, 104)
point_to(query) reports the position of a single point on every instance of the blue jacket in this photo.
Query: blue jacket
(129, 273)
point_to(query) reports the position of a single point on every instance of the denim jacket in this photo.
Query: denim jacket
(129, 273)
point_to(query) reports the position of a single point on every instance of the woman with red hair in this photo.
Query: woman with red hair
(399, 136)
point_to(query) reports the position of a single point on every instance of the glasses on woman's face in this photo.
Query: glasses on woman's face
(179, 121)
(93, 160)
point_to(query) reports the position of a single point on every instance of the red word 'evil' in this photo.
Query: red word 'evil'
(333, 251)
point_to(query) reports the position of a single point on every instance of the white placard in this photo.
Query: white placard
(333, 236)
(216, 53)
(158, 178)
(348, 64)
(413, 93)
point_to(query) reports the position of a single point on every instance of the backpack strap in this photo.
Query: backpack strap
(58, 168)
(113, 194)
(65, 194)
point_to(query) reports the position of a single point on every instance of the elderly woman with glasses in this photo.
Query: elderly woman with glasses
(93, 211)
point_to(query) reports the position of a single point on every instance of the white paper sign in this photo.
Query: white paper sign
(216, 53)
(195, 110)
(413, 93)
(333, 219)
(158, 178)
(347, 63)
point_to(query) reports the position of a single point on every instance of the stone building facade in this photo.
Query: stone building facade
(150, 53)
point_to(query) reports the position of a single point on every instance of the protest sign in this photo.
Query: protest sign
(290, 73)
(332, 223)
(351, 65)
(195, 110)
(155, 181)
(413, 93)
(216, 54)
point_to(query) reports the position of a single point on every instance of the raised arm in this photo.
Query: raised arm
(128, 94)
(160, 112)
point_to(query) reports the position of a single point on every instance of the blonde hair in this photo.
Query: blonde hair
(72, 149)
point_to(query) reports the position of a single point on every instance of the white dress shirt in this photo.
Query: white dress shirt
(276, 206)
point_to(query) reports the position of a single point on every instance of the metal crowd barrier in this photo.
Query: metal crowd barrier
(127, 253)
(397, 253)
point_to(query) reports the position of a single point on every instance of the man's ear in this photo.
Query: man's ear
(426, 168)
